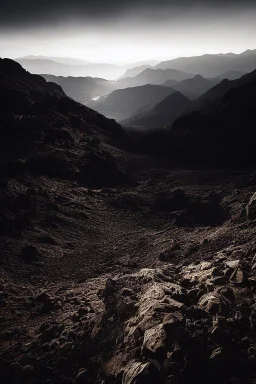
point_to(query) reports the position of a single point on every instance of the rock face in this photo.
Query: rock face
(169, 324)
(184, 336)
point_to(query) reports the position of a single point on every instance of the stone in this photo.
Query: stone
(133, 371)
(253, 319)
(227, 292)
(154, 340)
(221, 336)
(220, 280)
(232, 264)
(210, 302)
(238, 276)
(82, 376)
(251, 207)
(194, 294)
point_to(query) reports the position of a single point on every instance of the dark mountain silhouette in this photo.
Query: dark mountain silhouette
(221, 132)
(82, 89)
(213, 65)
(123, 103)
(207, 99)
(195, 87)
(152, 76)
(45, 132)
(161, 114)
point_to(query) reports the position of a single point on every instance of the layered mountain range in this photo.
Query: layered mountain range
(216, 129)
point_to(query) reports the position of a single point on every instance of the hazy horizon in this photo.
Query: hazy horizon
(123, 32)
(39, 56)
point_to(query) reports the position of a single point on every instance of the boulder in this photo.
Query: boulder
(154, 341)
(137, 372)
(251, 207)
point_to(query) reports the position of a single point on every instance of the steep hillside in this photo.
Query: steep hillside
(220, 132)
(45, 132)
(82, 89)
(122, 103)
(220, 89)
(162, 114)
(195, 87)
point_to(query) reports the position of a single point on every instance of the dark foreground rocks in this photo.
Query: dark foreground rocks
(170, 324)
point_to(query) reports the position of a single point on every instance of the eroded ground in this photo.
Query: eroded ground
(144, 283)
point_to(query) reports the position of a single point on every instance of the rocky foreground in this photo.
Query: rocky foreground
(170, 323)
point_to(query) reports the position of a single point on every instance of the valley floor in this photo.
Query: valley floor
(63, 274)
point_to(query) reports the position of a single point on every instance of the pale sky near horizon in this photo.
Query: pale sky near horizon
(125, 31)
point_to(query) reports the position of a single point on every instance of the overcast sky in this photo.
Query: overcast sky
(122, 31)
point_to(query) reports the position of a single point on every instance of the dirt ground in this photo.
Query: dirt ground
(75, 238)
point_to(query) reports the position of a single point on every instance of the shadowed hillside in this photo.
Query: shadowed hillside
(220, 131)
(163, 113)
(123, 103)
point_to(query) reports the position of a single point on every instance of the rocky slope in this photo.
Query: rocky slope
(173, 301)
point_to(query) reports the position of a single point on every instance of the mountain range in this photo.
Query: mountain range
(193, 87)
(163, 113)
(152, 76)
(83, 89)
(123, 103)
(219, 130)
(228, 65)
(213, 65)
(61, 66)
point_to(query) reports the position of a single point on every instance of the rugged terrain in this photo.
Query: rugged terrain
(117, 267)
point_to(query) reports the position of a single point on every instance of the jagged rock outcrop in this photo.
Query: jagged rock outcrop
(172, 323)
